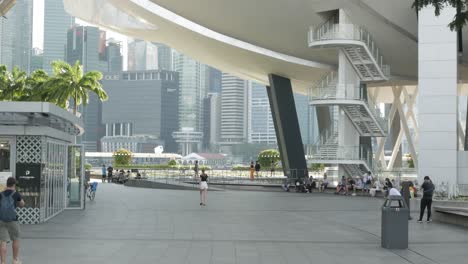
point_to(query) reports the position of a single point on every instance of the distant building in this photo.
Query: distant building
(164, 57)
(214, 80)
(193, 89)
(16, 36)
(136, 144)
(211, 129)
(142, 103)
(88, 45)
(37, 59)
(142, 55)
(234, 100)
(261, 127)
(57, 22)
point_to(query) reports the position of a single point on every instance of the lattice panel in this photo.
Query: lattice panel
(28, 215)
(463, 188)
(28, 149)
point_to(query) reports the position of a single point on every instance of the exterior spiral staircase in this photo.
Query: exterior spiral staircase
(366, 60)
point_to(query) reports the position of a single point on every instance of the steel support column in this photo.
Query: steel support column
(286, 123)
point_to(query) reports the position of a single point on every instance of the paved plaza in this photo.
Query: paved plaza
(133, 225)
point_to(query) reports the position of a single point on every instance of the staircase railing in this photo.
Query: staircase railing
(333, 31)
(342, 153)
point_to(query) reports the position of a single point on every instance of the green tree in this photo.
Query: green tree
(36, 87)
(12, 84)
(122, 157)
(461, 17)
(70, 82)
(266, 156)
(172, 163)
(317, 167)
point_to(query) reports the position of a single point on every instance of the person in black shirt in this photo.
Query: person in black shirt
(109, 173)
(387, 186)
(351, 185)
(257, 168)
(426, 201)
(9, 229)
(203, 187)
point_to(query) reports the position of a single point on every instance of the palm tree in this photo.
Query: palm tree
(70, 81)
(12, 83)
(36, 87)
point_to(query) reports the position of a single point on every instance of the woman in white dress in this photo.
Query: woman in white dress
(203, 187)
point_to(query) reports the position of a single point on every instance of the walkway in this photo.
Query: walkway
(133, 225)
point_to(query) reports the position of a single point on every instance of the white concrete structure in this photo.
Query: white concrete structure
(349, 38)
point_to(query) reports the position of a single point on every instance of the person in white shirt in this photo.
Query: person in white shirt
(377, 186)
(367, 180)
(394, 192)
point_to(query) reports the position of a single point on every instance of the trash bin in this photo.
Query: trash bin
(395, 215)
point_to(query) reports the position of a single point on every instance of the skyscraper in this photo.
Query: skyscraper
(193, 89)
(142, 55)
(211, 128)
(164, 57)
(214, 80)
(261, 127)
(16, 36)
(141, 103)
(234, 99)
(56, 24)
(88, 45)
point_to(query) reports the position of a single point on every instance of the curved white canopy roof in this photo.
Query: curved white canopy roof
(251, 39)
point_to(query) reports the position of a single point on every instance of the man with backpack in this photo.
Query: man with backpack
(9, 226)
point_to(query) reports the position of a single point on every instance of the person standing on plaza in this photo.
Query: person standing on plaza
(426, 201)
(257, 168)
(195, 168)
(252, 170)
(272, 167)
(103, 172)
(109, 173)
(203, 187)
(9, 226)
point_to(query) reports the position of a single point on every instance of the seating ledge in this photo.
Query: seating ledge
(452, 210)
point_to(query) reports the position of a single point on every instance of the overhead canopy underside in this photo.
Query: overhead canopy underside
(252, 39)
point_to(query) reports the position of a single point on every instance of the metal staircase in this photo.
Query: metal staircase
(366, 118)
(357, 44)
(367, 61)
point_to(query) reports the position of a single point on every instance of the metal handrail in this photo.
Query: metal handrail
(333, 31)
(343, 153)
(348, 92)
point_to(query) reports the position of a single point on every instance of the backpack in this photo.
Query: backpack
(7, 208)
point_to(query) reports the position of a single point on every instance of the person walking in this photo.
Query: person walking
(9, 226)
(426, 201)
(103, 172)
(257, 168)
(252, 170)
(203, 187)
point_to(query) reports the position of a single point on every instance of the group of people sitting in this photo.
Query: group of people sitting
(119, 176)
(349, 185)
(307, 185)
(346, 186)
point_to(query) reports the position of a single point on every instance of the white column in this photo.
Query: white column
(437, 98)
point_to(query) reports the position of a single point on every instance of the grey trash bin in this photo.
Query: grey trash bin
(395, 215)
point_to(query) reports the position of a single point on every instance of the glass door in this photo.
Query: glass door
(7, 160)
(75, 177)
